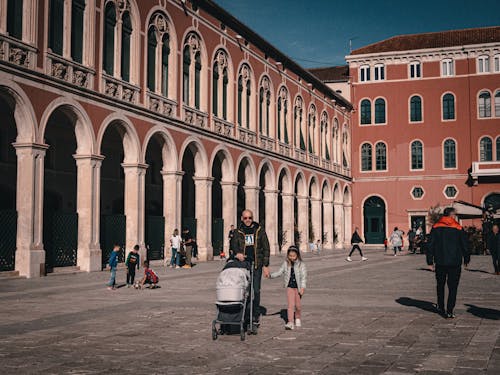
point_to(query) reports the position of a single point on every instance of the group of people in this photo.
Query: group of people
(184, 246)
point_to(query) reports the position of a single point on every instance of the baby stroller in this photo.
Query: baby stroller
(234, 290)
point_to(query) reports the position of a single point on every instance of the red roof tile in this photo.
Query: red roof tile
(433, 40)
(332, 74)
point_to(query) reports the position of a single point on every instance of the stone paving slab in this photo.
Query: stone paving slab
(371, 317)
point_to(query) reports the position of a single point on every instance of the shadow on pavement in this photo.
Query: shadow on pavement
(424, 269)
(283, 313)
(483, 312)
(482, 271)
(424, 305)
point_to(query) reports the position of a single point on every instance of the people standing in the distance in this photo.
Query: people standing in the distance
(446, 251)
(396, 240)
(188, 242)
(494, 248)
(175, 244)
(355, 241)
(113, 263)
(131, 263)
(250, 243)
(318, 247)
(411, 240)
(230, 238)
(295, 281)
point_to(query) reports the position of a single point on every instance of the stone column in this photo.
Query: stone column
(89, 256)
(229, 207)
(288, 219)
(203, 213)
(172, 205)
(303, 222)
(339, 224)
(316, 218)
(134, 207)
(252, 200)
(30, 255)
(272, 219)
(347, 224)
(328, 223)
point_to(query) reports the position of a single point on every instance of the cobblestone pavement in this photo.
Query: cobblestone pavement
(361, 318)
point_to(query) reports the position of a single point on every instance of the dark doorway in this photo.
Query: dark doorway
(374, 220)
(262, 198)
(241, 199)
(188, 192)
(217, 221)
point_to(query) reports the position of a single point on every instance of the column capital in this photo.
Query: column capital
(229, 183)
(131, 166)
(271, 192)
(92, 159)
(251, 187)
(172, 173)
(30, 145)
(287, 195)
(327, 202)
(338, 203)
(316, 199)
(302, 197)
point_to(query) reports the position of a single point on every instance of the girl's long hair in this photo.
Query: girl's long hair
(294, 249)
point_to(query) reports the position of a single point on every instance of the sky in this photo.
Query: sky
(316, 33)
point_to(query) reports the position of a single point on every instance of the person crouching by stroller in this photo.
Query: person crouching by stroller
(131, 263)
(150, 277)
(295, 280)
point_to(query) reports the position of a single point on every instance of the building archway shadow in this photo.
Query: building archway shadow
(423, 305)
(483, 312)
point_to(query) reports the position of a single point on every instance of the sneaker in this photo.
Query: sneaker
(394, 254)
(349, 259)
(364, 258)
(298, 323)
(177, 267)
(450, 315)
(289, 326)
(128, 285)
(186, 266)
(111, 288)
(441, 311)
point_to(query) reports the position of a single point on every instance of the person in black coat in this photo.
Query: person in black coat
(355, 241)
(447, 249)
(494, 248)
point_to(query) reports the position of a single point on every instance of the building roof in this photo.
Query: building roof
(441, 39)
(332, 73)
(232, 22)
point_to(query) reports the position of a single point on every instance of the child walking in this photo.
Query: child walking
(131, 263)
(295, 280)
(113, 263)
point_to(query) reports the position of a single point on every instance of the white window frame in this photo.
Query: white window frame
(483, 64)
(496, 64)
(414, 65)
(364, 70)
(413, 196)
(456, 191)
(447, 68)
(379, 72)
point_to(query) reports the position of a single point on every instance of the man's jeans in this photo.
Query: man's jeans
(175, 257)
(451, 276)
(112, 279)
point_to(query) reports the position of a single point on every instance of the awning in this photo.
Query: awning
(468, 210)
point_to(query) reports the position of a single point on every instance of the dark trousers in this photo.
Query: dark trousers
(447, 275)
(496, 262)
(257, 278)
(354, 247)
(130, 275)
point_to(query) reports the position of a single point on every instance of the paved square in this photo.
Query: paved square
(360, 318)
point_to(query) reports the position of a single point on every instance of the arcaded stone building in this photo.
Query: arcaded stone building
(125, 119)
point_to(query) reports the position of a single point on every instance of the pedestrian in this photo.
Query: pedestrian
(318, 247)
(113, 263)
(150, 277)
(411, 240)
(188, 242)
(494, 248)
(447, 248)
(175, 244)
(385, 244)
(295, 281)
(396, 239)
(250, 243)
(355, 241)
(230, 237)
(132, 262)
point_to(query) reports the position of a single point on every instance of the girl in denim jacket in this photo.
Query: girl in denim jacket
(295, 280)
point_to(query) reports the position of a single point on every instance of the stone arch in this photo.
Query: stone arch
(24, 114)
(227, 163)
(270, 175)
(287, 186)
(131, 143)
(337, 195)
(84, 132)
(300, 183)
(250, 172)
(347, 196)
(169, 151)
(200, 156)
(326, 192)
(314, 187)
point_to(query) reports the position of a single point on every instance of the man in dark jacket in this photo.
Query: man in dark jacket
(494, 248)
(447, 248)
(250, 243)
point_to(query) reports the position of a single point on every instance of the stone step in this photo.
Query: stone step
(64, 270)
(9, 275)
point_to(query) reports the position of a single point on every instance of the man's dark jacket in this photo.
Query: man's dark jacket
(494, 244)
(448, 244)
(356, 238)
(261, 247)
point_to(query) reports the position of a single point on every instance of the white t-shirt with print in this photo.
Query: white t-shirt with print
(176, 241)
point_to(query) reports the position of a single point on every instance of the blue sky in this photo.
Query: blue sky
(316, 32)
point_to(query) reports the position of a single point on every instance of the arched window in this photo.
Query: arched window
(366, 112)
(336, 141)
(125, 54)
(366, 157)
(282, 126)
(449, 154)
(197, 78)
(264, 105)
(219, 85)
(311, 128)
(484, 104)
(485, 149)
(325, 152)
(417, 155)
(109, 39)
(415, 108)
(298, 124)
(191, 71)
(379, 111)
(56, 25)
(380, 156)
(244, 93)
(165, 55)
(346, 147)
(448, 107)
(498, 148)
(497, 104)
(77, 29)
(152, 43)
(186, 63)
(158, 54)
(15, 18)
